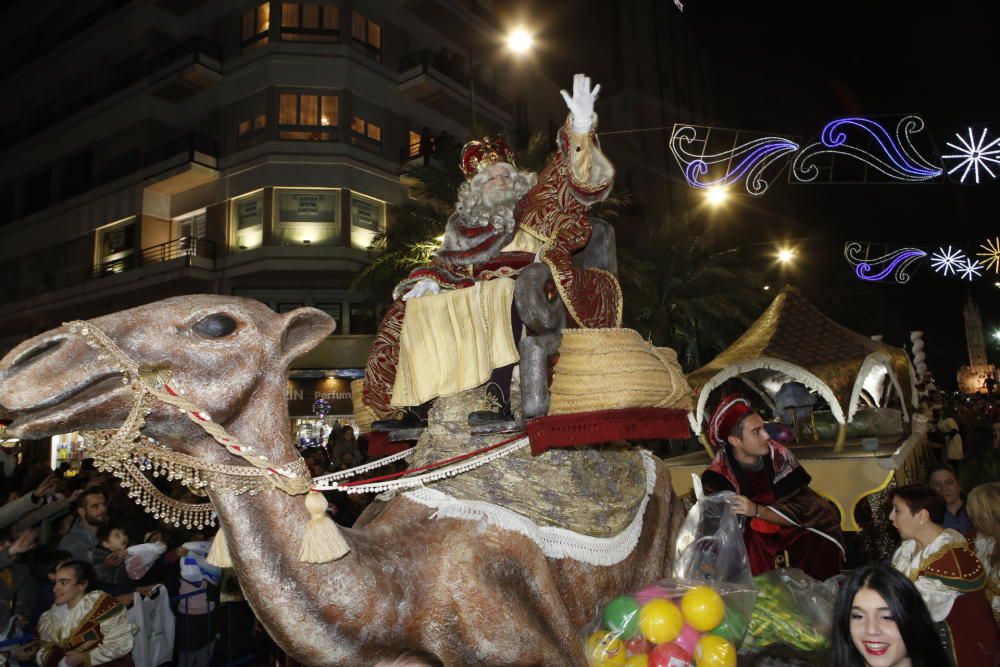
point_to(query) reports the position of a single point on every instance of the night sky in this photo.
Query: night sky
(790, 67)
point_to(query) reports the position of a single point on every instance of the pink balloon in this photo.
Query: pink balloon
(688, 638)
(651, 593)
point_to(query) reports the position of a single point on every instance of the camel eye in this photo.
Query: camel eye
(216, 326)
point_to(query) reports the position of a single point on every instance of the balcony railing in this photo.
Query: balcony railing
(185, 247)
(454, 67)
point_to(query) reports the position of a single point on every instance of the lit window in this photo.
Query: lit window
(367, 220)
(307, 216)
(309, 23)
(251, 130)
(413, 146)
(367, 35)
(116, 246)
(300, 117)
(256, 24)
(248, 221)
(365, 133)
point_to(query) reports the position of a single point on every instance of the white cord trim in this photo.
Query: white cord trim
(795, 372)
(403, 483)
(554, 542)
(357, 470)
(873, 359)
(812, 530)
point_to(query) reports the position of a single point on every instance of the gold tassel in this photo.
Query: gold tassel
(321, 541)
(218, 555)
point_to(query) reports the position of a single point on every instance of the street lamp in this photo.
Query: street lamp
(785, 255)
(716, 195)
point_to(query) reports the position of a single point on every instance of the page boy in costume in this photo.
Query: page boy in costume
(789, 524)
(504, 220)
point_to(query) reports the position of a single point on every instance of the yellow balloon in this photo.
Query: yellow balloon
(604, 648)
(639, 660)
(660, 621)
(713, 651)
(703, 608)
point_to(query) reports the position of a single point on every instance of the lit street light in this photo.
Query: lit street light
(716, 195)
(786, 255)
(520, 41)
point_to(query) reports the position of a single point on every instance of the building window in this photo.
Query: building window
(248, 221)
(250, 131)
(256, 23)
(363, 319)
(365, 133)
(413, 145)
(306, 217)
(308, 117)
(116, 246)
(309, 23)
(367, 220)
(367, 36)
(190, 226)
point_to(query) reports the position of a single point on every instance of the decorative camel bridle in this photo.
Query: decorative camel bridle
(127, 454)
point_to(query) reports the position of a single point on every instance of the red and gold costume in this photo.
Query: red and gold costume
(780, 483)
(952, 581)
(551, 220)
(95, 627)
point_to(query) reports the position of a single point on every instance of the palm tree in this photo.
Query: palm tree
(681, 294)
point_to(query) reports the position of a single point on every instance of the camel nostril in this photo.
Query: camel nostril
(36, 352)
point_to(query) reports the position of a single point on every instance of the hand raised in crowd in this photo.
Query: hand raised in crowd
(46, 488)
(24, 543)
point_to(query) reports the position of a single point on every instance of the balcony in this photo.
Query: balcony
(443, 83)
(185, 70)
(181, 164)
(187, 251)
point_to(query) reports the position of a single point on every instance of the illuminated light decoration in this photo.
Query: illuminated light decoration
(969, 269)
(897, 157)
(746, 162)
(990, 254)
(893, 264)
(947, 261)
(973, 155)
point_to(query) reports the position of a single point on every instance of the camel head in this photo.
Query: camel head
(228, 356)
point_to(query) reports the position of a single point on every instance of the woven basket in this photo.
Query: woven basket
(611, 369)
(363, 415)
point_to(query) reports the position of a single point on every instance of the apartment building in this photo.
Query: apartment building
(150, 148)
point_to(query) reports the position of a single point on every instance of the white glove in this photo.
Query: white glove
(422, 288)
(581, 105)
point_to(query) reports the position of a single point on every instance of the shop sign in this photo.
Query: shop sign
(307, 207)
(250, 212)
(301, 393)
(367, 213)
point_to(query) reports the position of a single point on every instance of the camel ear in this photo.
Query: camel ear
(304, 329)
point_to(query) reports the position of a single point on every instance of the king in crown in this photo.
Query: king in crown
(505, 220)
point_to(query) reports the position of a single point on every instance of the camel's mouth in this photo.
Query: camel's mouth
(56, 410)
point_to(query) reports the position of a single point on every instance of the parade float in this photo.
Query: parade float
(493, 547)
(845, 402)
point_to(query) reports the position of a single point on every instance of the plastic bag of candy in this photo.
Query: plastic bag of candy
(673, 623)
(792, 609)
(709, 545)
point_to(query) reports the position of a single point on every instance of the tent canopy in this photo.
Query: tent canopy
(796, 340)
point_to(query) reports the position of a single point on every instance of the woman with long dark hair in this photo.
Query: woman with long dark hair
(880, 620)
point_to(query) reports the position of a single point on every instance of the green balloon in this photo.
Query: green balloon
(621, 616)
(733, 626)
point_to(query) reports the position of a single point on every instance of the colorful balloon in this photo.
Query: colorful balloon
(688, 638)
(638, 645)
(669, 655)
(604, 648)
(712, 651)
(733, 626)
(703, 608)
(621, 616)
(650, 593)
(660, 621)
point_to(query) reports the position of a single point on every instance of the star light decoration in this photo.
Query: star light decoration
(991, 254)
(948, 261)
(969, 269)
(973, 154)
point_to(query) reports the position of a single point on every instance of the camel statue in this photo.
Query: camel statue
(462, 590)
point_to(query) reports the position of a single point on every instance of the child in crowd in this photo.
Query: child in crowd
(109, 559)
